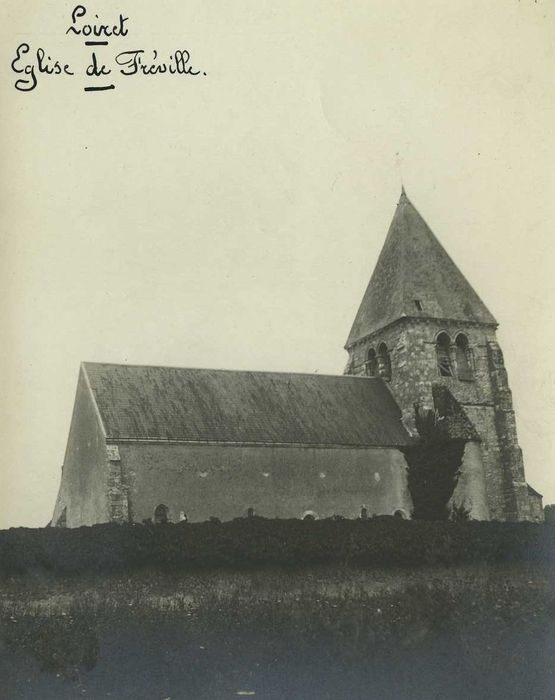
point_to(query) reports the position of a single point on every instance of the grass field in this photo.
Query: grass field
(442, 623)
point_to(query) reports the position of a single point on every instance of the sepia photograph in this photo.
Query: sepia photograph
(277, 309)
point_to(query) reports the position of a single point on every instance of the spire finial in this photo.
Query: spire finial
(399, 165)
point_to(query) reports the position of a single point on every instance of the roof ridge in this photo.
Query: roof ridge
(243, 371)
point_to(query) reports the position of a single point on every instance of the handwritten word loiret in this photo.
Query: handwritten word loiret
(95, 29)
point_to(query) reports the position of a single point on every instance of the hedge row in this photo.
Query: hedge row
(383, 541)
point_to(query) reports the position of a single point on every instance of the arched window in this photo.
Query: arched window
(400, 514)
(309, 515)
(161, 514)
(250, 512)
(372, 363)
(443, 350)
(464, 358)
(384, 362)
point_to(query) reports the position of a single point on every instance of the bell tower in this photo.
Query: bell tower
(423, 329)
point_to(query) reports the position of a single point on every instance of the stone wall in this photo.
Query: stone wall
(118, 489)
(84, 484)
(470, 492)
(285, 482)
(517, 502)
(536, 507)
(486, 398)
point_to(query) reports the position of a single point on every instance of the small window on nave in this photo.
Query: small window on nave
(463, 354)
(443, 350)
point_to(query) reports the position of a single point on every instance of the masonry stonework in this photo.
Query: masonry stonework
(486, 398)
(276, 482)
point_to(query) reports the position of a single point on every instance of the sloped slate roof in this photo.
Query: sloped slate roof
(413, 265)
(533, 492)
(170, 403)
(456, 423)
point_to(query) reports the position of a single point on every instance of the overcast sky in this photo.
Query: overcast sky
(233, 220)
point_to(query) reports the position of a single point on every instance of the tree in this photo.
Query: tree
(434, 463)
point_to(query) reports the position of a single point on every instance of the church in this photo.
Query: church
(172, 444)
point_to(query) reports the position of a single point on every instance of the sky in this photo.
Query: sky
(233, 219)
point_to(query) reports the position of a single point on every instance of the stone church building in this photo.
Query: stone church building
(167, 443)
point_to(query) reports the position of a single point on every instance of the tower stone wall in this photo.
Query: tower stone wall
(485, 396)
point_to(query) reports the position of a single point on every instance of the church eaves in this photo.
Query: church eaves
(415, 277)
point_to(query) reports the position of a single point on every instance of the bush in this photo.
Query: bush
(256, 542)
(434, 463)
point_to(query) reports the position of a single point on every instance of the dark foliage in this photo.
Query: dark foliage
(256, 542)
(549, 513)
(433, 467)
(67, 646)
(460, 513)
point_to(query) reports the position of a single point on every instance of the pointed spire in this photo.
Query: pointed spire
(403, 199)
(414, 267)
